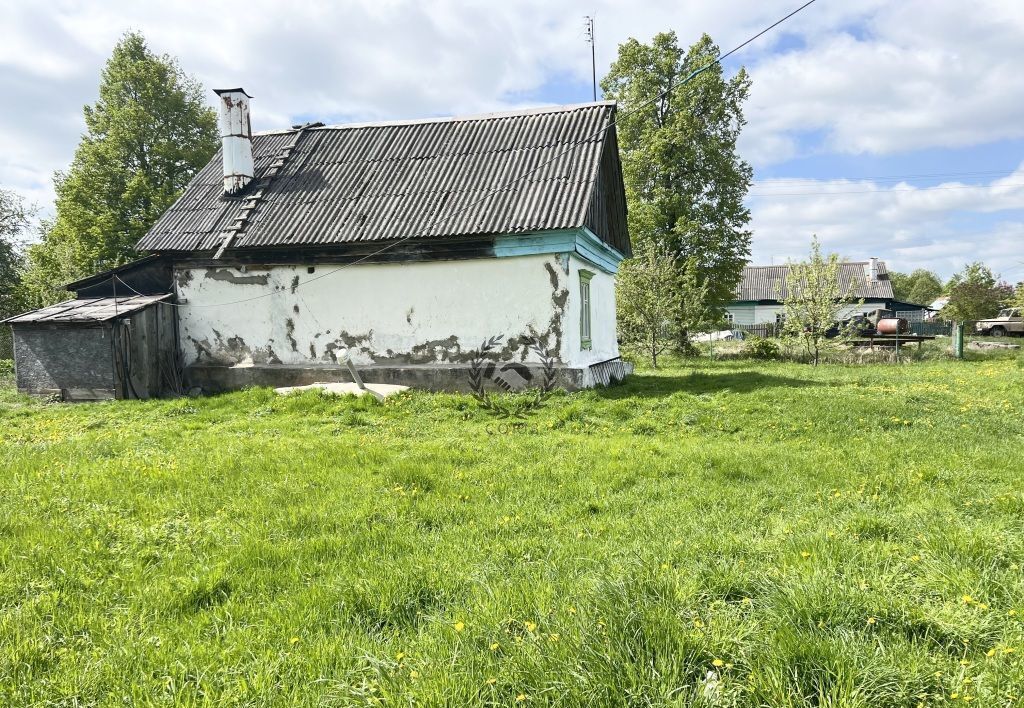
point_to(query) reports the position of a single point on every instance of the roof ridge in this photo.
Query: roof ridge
(539, 110)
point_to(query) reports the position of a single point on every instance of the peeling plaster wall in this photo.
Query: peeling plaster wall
(404, 313)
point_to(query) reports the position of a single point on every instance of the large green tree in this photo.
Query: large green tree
(920, 287)
(14, 220)
(685, 182)
(146, 136)
(975, 294)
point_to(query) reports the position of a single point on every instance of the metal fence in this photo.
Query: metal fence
(766, 329)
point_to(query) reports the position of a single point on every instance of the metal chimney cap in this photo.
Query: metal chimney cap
(221, 92)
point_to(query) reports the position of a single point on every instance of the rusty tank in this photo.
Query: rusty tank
(892, 325)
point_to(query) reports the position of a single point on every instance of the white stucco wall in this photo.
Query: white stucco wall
(407, 313)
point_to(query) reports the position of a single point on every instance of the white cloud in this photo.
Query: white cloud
(909, 226)
(925, 74)
(870, 76)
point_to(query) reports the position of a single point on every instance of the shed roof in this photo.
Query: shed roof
(85, 310)
(769, 282)
(316, 186)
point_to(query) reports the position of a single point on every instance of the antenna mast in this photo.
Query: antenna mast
(588, 27)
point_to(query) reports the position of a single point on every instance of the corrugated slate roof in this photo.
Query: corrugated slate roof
(769, 282)
(92, 309)
(446, 177)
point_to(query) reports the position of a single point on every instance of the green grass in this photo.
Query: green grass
(840, 536)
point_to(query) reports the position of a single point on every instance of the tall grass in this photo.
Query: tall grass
(728, 533)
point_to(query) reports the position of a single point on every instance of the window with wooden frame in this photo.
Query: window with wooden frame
(585, 333)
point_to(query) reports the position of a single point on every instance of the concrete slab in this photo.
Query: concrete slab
(344, 388)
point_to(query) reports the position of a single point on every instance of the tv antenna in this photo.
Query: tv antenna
(588, 28)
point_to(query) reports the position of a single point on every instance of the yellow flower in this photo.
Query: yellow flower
(459, 626)
(718, 662)
(915, 558)
(399, 656)
(871, 620)
(967, 599)
(572, 610)
(520, 698)
(494, 646)
(491, 681)
(553, 637)
(293, 640)
(414, 674)
(531, 627)
(1008, 650)
(954, 695)
(990, 652)
(664, 566)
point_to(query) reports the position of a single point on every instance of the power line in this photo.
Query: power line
(884, 178)
(574, 146)
(883, 192)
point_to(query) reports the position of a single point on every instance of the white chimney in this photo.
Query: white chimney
(235, 138)
(872, 270)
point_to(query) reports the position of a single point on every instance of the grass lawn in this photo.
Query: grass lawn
(731, 533)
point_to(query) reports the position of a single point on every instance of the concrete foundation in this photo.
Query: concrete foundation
(429, 377)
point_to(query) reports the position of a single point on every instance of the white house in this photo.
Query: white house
(758, 296)
(405, 244)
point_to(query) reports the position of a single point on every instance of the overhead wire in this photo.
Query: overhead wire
(576, 145)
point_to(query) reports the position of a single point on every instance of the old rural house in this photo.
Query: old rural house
(759, 293)
(403, 245)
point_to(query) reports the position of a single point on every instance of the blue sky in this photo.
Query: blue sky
(888, 129)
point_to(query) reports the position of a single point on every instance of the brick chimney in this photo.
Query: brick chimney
(235, 138)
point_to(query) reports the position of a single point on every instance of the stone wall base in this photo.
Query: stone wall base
(429, 377)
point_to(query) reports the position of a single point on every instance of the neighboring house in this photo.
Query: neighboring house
(761, 289)
(404, 244)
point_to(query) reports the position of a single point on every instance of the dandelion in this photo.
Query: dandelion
(491, 681)
(572, 610)
(520, 698)
(1008, 650)
(495, 646)
(718, 662)
(459, 626)
(871, 620)
(805, 554)
(414, 675)
(293, 640)
(531, 627)
(967, 599)
(399, 656)
(664, 566)
(990, 652)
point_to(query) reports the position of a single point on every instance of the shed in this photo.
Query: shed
(95, 348)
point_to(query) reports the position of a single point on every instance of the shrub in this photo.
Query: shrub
(6, 368)
(760, 348)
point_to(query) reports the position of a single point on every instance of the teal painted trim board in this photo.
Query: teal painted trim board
(583, 242)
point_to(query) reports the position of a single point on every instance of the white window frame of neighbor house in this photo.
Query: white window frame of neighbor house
(730, 318)
(586, 321)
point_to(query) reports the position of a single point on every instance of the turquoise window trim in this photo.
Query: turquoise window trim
(582, 242)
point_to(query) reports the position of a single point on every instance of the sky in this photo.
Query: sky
(888, 129)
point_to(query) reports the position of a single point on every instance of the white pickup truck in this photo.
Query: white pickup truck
(1007, 322)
